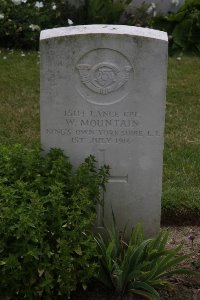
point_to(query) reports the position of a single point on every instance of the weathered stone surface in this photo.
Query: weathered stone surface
(103, 93)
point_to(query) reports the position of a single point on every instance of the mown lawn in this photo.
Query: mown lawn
(19, 123)
(19, 97)
(181, 181)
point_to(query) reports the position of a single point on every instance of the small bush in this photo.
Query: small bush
(47, 210)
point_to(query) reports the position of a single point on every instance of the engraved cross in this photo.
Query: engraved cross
(113, 179)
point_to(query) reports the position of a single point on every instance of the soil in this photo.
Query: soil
(182, 287)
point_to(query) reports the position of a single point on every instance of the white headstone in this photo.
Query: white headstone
(103, 93)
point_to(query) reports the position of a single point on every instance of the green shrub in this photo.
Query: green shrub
(47, 210)
(183, 27)
(104, 11)
(22, 20)
(139, 267)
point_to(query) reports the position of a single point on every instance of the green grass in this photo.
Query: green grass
(181, 181)
(19, 98)
(19, 123)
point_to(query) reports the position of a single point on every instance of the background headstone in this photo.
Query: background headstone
(103, 93)
(162, 7)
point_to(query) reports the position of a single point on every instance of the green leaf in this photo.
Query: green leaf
(78, 251)
(40, 272)
(145, 289)
(84, 286)
(182, 33)
(180, 271)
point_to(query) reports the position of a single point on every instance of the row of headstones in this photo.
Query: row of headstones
(103, 93)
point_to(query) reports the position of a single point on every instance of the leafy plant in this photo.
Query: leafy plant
(47, 211)
(183, 27)
(139, 267)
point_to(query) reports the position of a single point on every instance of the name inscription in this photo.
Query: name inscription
(102, 127)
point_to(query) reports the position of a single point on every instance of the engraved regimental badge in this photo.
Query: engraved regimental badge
(103, 76)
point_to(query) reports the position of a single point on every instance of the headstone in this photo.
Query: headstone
(160, 7)
(103, 93)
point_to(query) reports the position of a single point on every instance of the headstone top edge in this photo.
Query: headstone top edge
(103, 29)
